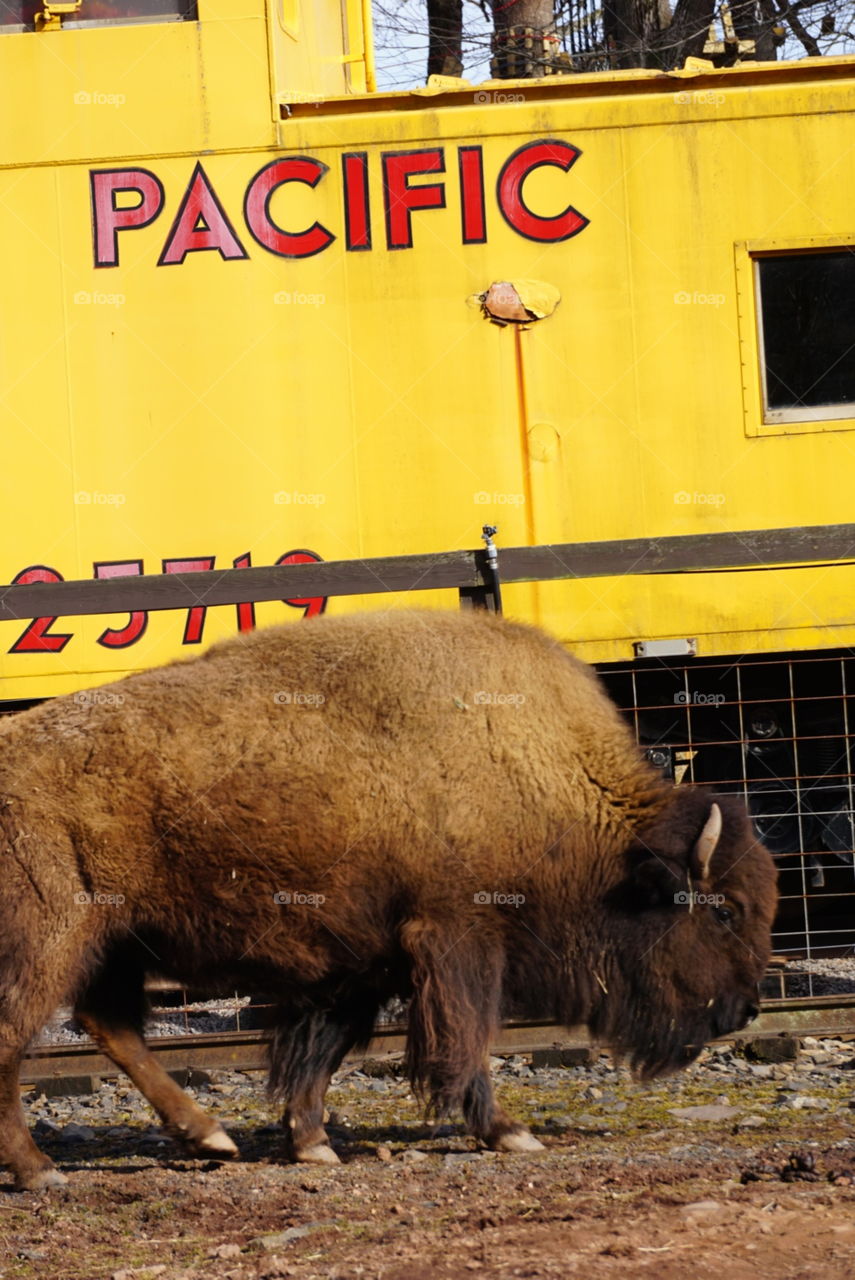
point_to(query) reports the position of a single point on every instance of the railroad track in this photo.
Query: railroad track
(246, 1050)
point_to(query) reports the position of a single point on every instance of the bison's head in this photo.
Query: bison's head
(690, 933)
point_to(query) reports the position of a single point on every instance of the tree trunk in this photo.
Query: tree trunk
(524, 40)
(686, 35)
(632, 29)
(445, 32)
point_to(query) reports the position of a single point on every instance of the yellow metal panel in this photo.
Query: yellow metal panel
(354, 402)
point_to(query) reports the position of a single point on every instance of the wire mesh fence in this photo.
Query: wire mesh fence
(777, 730)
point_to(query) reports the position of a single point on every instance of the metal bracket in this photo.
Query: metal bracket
(50, 18)
(488, 596)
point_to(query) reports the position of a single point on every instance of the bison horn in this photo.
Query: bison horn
(706, 843)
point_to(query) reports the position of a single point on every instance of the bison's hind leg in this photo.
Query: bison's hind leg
(310, 1040)
(112, 1009)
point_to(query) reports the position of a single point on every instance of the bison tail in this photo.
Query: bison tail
(454, 1011)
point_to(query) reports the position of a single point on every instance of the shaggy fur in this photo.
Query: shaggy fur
(445, 807)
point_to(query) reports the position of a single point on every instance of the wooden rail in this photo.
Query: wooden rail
(464, 571)
(247, 1051)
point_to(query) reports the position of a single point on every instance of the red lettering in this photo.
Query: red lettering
(108, 219)
(509, 192)
(313, 605)
(137, 622)
(38, 638)
(400, 198)
(287, 244)
(195, 624)
(357, 211)
(201, 223)
(472, 213)
(245, 611)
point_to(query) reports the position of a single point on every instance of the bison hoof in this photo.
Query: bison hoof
(320, 1153)
(517, 1140)
(42, 1180)
(217, 1143)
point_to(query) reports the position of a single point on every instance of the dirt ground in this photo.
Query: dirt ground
(624, 1189)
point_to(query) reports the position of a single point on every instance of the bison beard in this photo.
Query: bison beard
(444, 808)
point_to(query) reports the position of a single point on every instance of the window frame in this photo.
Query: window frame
(758, 419)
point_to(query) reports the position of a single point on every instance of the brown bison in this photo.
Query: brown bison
(440, 807)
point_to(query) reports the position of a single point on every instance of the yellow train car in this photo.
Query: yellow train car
(255, 311)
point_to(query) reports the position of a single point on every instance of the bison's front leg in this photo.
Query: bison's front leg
(490, 1122)
(309, 1042)
(454, 1013)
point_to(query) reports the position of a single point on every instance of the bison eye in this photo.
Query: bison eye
(724, 914)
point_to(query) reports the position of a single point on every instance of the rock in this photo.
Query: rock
(412, 1155)
(750, 1122)
(46, 1129)
(384, 1154)
(226, 1251)
(381, 1068)
(704, 1113)
(592, 1093)
(455, 1158)
(772, 1049)
(77, 1133)
(804, 1102)
(138, 1273)
(561, 1058)
(278, 1239)
(701, 1206)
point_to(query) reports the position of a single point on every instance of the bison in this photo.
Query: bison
(440, 807)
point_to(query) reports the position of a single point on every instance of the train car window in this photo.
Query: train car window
(806, 313)
(20, 15)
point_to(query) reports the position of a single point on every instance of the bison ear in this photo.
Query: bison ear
(658, 882)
